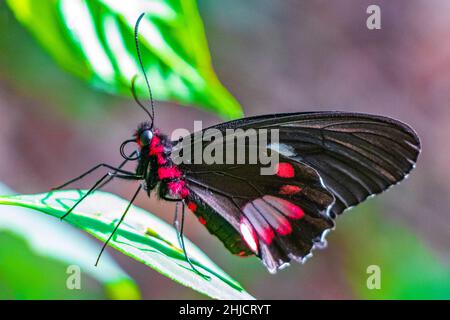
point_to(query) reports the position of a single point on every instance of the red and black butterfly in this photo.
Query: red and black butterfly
(328, 162)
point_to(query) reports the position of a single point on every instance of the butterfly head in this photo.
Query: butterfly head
(144, 135)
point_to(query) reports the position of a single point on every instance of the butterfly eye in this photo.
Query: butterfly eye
(146, 137)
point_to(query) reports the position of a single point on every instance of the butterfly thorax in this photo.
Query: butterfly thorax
(155, 165)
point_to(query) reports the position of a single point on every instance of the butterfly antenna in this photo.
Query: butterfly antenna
(133, 91)
(138, 51)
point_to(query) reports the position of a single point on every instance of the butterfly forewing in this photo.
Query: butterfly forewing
(356, 155)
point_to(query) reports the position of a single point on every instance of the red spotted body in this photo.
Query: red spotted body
(156, 165)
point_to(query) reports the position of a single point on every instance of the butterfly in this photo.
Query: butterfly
(327, 162)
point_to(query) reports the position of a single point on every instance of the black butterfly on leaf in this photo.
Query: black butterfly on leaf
(328, 162)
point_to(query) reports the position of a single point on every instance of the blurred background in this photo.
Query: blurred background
(273, 56)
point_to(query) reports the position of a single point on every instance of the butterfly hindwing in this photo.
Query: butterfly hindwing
(219, 217)
(276, 217)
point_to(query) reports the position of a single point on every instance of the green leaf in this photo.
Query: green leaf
(408, 268)
(141, 236)
(94, 40)
(34, 245)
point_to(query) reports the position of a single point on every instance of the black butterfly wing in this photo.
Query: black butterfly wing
(356, 155)
(348, 157)
(276, 218)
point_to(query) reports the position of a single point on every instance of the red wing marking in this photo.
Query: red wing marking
(192, 206)
(201, 220)
(288, 208)
(285, 170)
(289, 190)
(276, 219)
(269, 215)
(261, 226)
(249, 235)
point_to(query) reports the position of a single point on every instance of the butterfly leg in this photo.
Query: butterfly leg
(118, 224)
(118, 169)
(115, 172)
(99, 183)
(180, 236)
